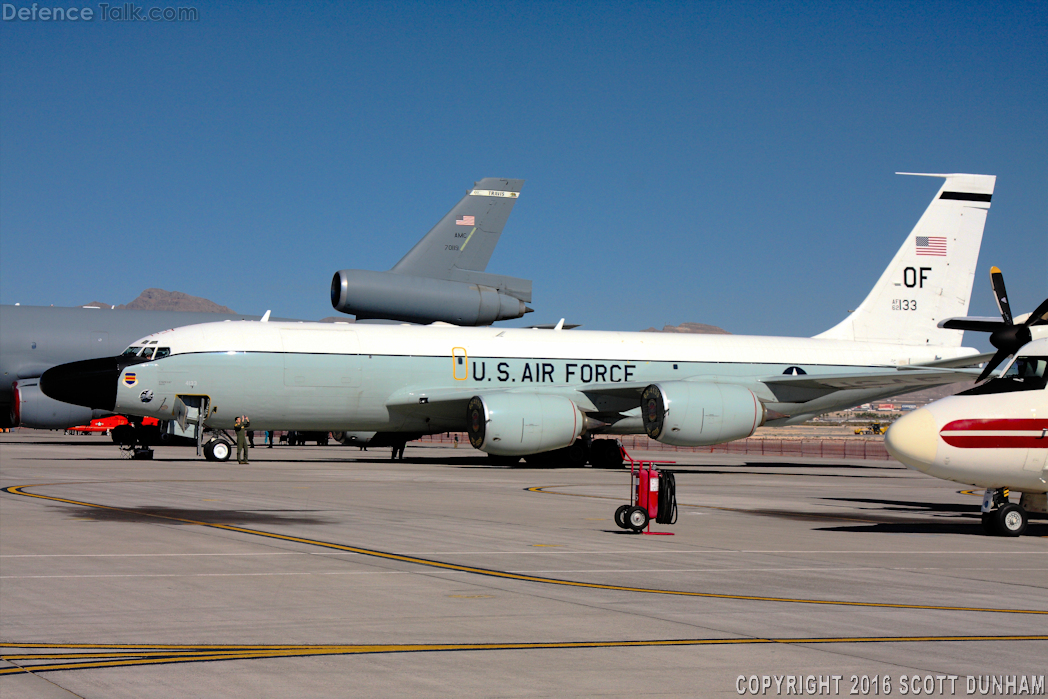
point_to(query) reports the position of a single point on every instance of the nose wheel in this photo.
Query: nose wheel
(1000, 517)
(217, 450)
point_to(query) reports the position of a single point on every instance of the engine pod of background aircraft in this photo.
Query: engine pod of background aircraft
(387, 295)
(30, 406)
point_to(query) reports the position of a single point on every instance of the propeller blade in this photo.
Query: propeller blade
(993, 363)
(1040, 315)
(975, 324)
(999, 293)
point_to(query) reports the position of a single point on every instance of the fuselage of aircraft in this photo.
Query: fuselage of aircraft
(524, 391)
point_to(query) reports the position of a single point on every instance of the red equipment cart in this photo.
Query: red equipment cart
(651, 491)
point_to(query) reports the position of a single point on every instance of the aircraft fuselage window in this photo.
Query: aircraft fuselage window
(162, 352)
(1025, 374)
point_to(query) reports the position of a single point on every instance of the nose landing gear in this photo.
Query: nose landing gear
(1001, 517)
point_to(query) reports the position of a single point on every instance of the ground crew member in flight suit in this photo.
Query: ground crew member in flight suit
(240, 425)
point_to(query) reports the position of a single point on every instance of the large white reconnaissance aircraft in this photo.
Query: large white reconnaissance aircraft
(523, 392)
(995, 435)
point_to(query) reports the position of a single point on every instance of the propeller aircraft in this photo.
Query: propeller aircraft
(994, 435)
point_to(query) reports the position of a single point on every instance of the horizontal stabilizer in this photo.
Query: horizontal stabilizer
(971, 360)
(980, 324)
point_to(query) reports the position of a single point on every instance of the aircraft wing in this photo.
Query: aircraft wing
(441, 403)
(804, 387)
(450, 403)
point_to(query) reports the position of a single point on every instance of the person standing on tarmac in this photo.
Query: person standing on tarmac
(240, 425)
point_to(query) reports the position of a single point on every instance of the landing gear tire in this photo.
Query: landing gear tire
(575, 455)
(217, 450)
(541, 460)
(637, 518)
(123, 435)
(1010, 519)
(605, 453)
(620, 516)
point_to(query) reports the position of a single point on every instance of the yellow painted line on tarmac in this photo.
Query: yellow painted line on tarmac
(490, 572)
(138, 654)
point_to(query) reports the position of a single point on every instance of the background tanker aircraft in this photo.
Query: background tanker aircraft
(995, 435)
(441, 278)
(522, 392)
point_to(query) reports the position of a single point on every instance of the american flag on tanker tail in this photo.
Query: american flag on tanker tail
(468, 221)
(931, 245)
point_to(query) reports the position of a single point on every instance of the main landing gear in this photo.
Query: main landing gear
(1001, 517)
(217, 449)
(600, 453)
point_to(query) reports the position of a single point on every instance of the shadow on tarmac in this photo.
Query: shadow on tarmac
(913, 506)
(965, 526)
(172, 515)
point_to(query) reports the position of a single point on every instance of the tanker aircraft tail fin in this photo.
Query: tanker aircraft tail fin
(459, 246)
(931, 276)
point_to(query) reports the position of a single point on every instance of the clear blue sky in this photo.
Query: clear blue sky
(727, 163)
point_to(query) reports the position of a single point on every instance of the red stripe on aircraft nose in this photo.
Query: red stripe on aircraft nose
(1010, 425)
(953, 434)
(991, 441)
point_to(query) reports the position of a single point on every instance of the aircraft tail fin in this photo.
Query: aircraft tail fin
(465, 238)
(931, 276)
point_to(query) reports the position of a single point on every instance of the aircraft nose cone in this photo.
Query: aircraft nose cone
(914, 439)
(91, 383)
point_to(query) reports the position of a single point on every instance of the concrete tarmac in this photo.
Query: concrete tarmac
(328, 571)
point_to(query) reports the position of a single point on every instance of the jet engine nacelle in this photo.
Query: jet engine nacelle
(692, 414)
(368, 294)
(31, 408)
(517, 424)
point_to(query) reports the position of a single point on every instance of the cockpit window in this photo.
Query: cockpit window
(131, 351)
(147, 353)
(162, 352)
(1025, 374)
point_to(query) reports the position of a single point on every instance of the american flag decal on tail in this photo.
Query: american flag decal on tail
(931, 245)
(468, 221)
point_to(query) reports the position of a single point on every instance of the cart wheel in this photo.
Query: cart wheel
(620, 516)
(637, 518)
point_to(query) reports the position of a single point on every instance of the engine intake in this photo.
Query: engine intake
(517, 424)
(692, 414)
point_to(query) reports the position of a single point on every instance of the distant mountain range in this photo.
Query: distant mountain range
(160, 300)
(700, 328)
